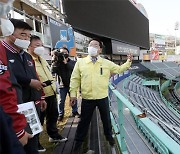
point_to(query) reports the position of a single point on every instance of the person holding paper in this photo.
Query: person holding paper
(10, 93)
(24, 71)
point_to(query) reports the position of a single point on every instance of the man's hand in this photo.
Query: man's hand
(72, 101)
(130, 57)
(36, 84)
(24, 139)
(43, 105)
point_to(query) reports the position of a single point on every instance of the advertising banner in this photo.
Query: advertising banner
(173, 58)
(146, 56)
(123, 49)
(162, 57)
(62, 36)
(159, 42)
(155, 55)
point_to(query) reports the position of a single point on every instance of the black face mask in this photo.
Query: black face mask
(66, 55)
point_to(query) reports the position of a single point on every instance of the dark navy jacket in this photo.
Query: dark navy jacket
(24, 70)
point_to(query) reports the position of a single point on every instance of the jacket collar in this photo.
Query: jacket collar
(9, 47)
(88, 59)
(35, 58)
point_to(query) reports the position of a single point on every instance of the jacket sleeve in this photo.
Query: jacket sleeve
(42, 91)
(119, 69)
(8, 97)
(8, 101)
(75, 80)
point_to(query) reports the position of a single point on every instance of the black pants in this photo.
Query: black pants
(51, 114)
(87, 109)
(32, 146)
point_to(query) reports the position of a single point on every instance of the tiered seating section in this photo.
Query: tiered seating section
(169, 69)
(143, 97)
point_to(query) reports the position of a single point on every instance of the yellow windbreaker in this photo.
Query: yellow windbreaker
(94, 78)
(43, 70)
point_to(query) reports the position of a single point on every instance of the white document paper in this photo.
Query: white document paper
(29, 110)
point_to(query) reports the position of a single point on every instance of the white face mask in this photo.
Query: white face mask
(39, 51)
(92, 51)
(23, 44)
(6, 27)
(5, 8)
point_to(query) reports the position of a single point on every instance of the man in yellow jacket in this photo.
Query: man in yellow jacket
(36, 50)
(92, 75)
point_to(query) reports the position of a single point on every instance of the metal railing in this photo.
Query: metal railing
(162, 87)
(177, 86)
(161, 142)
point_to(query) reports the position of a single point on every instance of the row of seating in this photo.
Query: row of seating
(176, 99)
(170, 133)
(169, 69)
(157, 65)
(176, 92)
(143, 97)
(153, 106)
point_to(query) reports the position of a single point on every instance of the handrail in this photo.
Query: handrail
(167, 141)
(168, 104)
(176, 87)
